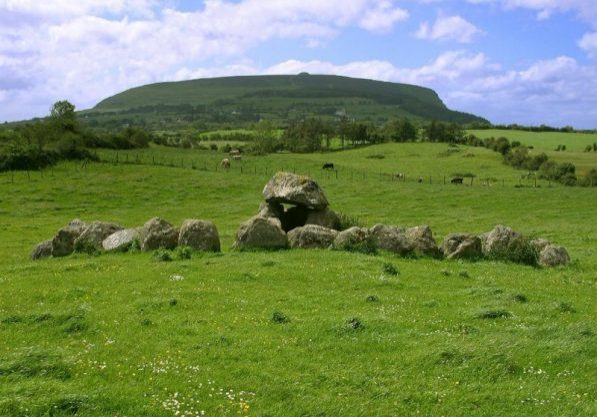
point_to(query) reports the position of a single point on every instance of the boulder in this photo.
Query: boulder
(199, 234)
(42, 250)
(94, 234)
(271, 210)
(390, 238)
(158, 233)
(285, 187)
(553, 255)
(311, 236)
(261, 232)
(121, 240)
(421, 241)
(498, 240)
(355, 239)
(325, 217)
(63, 243)
(539, 244)
(462, 246)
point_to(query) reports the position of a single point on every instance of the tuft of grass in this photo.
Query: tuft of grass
(354, 323)
(184, 252)
(494, 314)
(162, 255)
(280, 318)
(520, 298)
(566, 308)
(372, 299)
(390, 268)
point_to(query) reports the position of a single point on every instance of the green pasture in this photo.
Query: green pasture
(125, 335)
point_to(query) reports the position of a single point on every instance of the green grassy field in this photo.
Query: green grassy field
(548, 141)
(123, 335)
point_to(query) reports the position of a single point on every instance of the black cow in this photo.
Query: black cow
(328, 165)
(457, 180)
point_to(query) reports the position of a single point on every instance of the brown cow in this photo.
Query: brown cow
(225, 163)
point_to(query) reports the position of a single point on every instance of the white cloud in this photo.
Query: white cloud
(585, 9)
(589, 44)
(383, 17)
(453, 28)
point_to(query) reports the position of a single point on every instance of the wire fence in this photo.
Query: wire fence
(242, 167)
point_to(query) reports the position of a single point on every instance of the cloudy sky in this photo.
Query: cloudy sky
(511, 61)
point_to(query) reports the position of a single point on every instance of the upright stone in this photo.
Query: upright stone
(553, 255)
(261, 233)
(63, 243)
(158, 233)
(498, 240)
(355, 239)
(285, 187)
(42, 250)
(421, 240)
(94, 234)
(199, 234)
(462, 246)
(121, 240)
(391, 238)
(311, 236)
(325, 217)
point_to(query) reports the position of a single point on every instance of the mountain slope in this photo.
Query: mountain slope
(279, 97)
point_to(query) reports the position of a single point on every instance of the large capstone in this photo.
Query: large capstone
(121, 240)
(93, 235)
(63, 243)
(311, 236)
(261, 233)
(42, 250)
(391, 238)
(158, 233)
(462, 246)
(288, 188)
(199, 234)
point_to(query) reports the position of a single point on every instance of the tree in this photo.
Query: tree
(63, 116)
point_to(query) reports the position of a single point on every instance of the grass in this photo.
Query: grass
(548, 141)
(294, 333)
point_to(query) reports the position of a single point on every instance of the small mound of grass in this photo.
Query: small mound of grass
(372, 299)
(280, 318)
(494, 314)
(390, 268)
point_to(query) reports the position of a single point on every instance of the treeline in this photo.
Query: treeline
(540, 128)
(59, 137)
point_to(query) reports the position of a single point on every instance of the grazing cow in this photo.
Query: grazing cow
(420, 180)
(234, 152)
(328, 165)
(457, 180)
(225, 163)
(237, 157)
(399, 176)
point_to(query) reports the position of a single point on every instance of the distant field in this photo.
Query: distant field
(122, 335)
(548, 141)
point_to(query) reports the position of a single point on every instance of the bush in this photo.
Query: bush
(389, 268)
(280, 318)
(162, 255)
(184, 252)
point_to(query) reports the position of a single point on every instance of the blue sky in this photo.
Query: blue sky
(511, 61)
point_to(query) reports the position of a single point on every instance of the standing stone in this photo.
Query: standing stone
(261, 233)
(462, 246)
(420, 239)
(311, 236)
(391, 238)
(355, 239)
(121, 240)
(63, 243)
(199, 234)
(498, 240)
(539, 244)
(94, 234)
(326, 218)
(553, 255)
(285, 187)
(42, 250)
(271, 210)
(158, 233)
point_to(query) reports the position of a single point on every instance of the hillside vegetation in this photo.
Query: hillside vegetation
(302, 332)
(238, 101)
